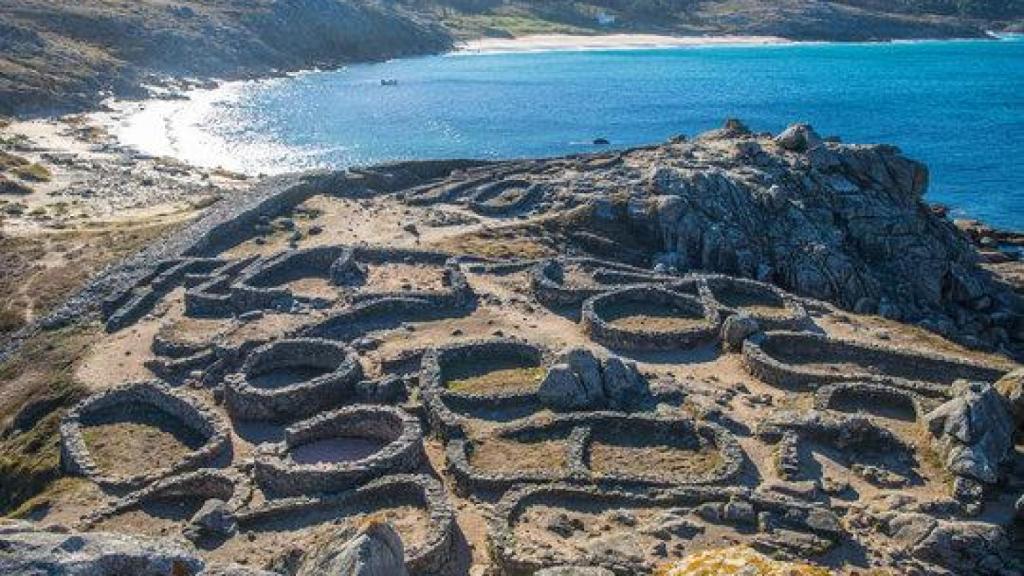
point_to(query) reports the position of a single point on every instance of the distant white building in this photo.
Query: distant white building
(605, 19)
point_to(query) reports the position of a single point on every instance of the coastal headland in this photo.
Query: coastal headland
(724, 351)
(530, 357)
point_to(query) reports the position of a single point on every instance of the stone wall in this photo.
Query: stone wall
(601, 331)
(277, 472)
(74, 453)
(247, 401)
(924, 373)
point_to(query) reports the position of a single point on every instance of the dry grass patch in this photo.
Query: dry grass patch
(13, 188)
(669, 460)
(33, 173)
(499, 380)
(9, 161)
(151, 442)
(649, 317)
(499, 455)
(37, 387)
(40, 272)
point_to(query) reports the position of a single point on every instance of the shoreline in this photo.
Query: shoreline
(574, 42)
(123, 122)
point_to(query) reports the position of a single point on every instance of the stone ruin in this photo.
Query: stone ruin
(337, 371)
(395, 436)
(345, 401)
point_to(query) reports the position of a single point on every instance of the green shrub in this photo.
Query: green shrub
(33, 173)
(14, 188)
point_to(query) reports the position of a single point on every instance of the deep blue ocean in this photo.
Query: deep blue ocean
(956, 105)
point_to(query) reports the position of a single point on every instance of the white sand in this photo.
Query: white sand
(550, 42)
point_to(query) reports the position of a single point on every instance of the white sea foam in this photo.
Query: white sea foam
(204, 127)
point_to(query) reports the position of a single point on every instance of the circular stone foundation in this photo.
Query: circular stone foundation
(291, 379)
(341, 449)
(772, 308)
(872, 399)
(543, 526)
(649, 318)
(432, 553)
(167, 432)
(801, 360)
(182, 492)
(570, 281)
(504, 197)
(277, 282)
(492, 375)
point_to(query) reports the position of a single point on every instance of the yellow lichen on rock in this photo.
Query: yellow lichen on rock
(739, 561)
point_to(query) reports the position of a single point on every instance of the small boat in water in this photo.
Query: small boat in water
(601, 142)
(388, 82)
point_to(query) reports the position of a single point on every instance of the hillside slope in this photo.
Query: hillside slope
(838, 20)
(57, 55)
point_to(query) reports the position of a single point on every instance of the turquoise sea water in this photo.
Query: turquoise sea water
(957, 105)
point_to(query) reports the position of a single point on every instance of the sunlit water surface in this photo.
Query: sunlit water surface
(957, 105)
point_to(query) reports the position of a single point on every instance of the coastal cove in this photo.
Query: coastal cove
(958, 106)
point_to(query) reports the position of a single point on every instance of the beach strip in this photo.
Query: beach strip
(572, 42)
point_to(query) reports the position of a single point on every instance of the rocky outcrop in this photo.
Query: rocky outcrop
(28, 549)
(973, 432)
(580, 381)
(839, 222)
(961, 547)
(736, 329)
(844, 223)
(215, 519)
(1011, 387)
(375, 550)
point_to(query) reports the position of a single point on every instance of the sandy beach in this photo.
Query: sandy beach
(570, 42)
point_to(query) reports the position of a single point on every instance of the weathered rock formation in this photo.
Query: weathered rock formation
(839, 222)
(973, 431)
(376, 550)
(580, 381)
(28, 549)
(1011, 387)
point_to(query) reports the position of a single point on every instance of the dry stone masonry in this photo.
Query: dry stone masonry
(597, 364)
(121, 403)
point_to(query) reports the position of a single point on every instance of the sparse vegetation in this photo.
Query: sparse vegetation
(517, 23)
(34, 284)
(39, 385)
(33, 173)
(13, 187)
(9, 161)
(504, 380)
(11, 319)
